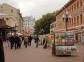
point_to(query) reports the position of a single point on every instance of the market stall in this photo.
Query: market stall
(65, 43)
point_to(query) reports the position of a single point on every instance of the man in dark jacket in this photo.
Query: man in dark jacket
(11, 42)
(37, 41)
(16, 41)
(29, 40)
(1, 52)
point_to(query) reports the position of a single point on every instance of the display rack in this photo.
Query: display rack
(65, 43)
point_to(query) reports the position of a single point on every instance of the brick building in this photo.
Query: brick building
(75, 8)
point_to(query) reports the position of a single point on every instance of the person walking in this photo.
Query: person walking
(2, 58)
(29, 40)
(20, 42)
(45, 42)
(16, 41)
(25, 41)
(11, 40)
(37, 41)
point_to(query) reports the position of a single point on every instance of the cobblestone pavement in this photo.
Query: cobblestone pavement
(33, 54)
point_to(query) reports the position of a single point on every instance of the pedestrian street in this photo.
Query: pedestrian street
(33, 54)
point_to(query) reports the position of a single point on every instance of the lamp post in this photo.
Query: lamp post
(66, 17)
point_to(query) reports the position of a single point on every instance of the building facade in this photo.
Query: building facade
(15, 13)
(75, 8)
(28, 24)
(7, 24)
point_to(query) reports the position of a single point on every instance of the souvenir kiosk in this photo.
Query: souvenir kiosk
(65, 43)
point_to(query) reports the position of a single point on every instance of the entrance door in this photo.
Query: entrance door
(78, 37)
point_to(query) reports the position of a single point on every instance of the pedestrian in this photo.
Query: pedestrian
(20, 42)
(25, 41)
(36, 40)
(45, 42)
(2, 59)
(29, 40)
(11, 40)
(22, 38)
(40, 40)
(16, 41)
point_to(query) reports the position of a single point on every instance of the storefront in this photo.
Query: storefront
(79, 33)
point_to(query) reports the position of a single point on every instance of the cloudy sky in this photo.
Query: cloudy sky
(36, 8)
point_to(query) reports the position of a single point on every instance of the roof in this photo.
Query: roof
(6, 4)
(65, 6)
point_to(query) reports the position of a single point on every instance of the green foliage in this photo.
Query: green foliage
(44, 23)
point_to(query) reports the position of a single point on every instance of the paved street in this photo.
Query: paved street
(32, 54)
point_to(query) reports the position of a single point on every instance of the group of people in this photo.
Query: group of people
(16, 41)
(27, 40)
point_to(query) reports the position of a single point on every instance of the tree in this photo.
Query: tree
(44, 23)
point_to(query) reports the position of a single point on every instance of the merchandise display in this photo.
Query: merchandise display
(65, 50)
(65, 43)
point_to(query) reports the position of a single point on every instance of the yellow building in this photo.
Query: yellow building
(15, 13)
(7, 24)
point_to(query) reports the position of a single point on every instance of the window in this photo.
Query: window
(7, 18)
(74, 6)
(70, 21)
(70, 9)
(77, 20)
(74, 21)
(55, 25)
(81, 19)
(52, 26)
(77, 4)
(1, 6)
(11, 11)
(80, 2)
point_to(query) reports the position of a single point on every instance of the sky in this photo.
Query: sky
(36, 8)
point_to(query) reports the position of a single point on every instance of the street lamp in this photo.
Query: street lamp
(66, 17)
